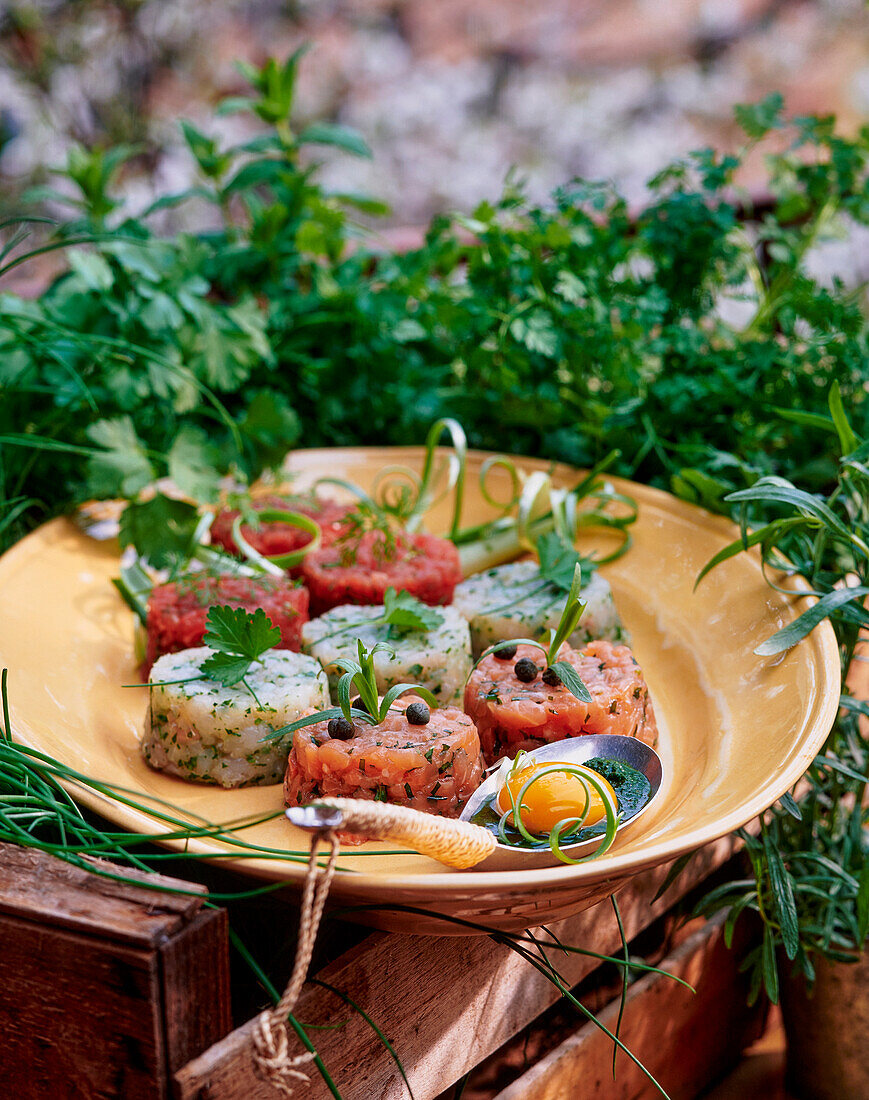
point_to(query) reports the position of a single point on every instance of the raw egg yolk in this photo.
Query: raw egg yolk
(554, 797)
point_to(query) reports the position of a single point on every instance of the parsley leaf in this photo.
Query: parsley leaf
(161, 529)
(404, 613)
(122, 466)
(239, 638)
(558, 560)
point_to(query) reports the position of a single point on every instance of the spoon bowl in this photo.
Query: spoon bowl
(573, 750)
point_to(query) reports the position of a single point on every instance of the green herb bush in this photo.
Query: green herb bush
(810, 860)
(569, 329)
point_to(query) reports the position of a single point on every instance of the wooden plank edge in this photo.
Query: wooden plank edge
(37, 886)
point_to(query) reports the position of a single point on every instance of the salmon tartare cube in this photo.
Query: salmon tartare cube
(513, 713)
(434, 767)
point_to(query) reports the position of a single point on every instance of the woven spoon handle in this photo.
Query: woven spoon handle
(458, 844)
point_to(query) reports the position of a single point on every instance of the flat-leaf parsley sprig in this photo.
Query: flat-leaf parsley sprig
(561, 671)
(359, 676)
(239, 638)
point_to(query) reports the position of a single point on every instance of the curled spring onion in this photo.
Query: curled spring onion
(278, 564)
(568, 825)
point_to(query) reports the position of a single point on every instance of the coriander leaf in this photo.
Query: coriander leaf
(558, 560)
(226, 670)
(123, 467)
(91, 268)
(536, 332)
(756, 119)
(194, 464)
(270, 426)
(404, 612)
(161, 529)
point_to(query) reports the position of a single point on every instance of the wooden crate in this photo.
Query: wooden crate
(445, 1003)
(108, 988)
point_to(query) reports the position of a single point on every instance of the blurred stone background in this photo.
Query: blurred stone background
(449, 93)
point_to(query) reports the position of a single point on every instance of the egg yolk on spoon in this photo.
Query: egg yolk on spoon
(555, 796)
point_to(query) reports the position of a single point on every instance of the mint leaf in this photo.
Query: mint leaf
(161, 530)
(239, 638)
(404, 612)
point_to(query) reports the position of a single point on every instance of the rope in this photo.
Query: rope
(271, 1038)
(458, 844)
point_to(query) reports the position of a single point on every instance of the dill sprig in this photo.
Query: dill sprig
(364, 519)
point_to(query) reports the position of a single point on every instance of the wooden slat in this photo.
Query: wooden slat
(36, 886)
(446, 1003)
(686, 1040)
(78, 1019)
(194, 969)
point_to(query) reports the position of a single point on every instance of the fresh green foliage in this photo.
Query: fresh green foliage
(570, 328)
(559, 561)
(239, 638)
(162, 530)
(810, 863)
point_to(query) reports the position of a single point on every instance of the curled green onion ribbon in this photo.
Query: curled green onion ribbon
(566, 825)
(278, 564)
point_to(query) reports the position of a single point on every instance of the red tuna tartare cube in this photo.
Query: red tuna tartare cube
(275, 538)
(177, 611)
(424, 565)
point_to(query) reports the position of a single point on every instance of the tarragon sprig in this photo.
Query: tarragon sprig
(570, 616)
(359, 676)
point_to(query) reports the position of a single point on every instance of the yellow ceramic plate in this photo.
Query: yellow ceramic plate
(736, 730)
